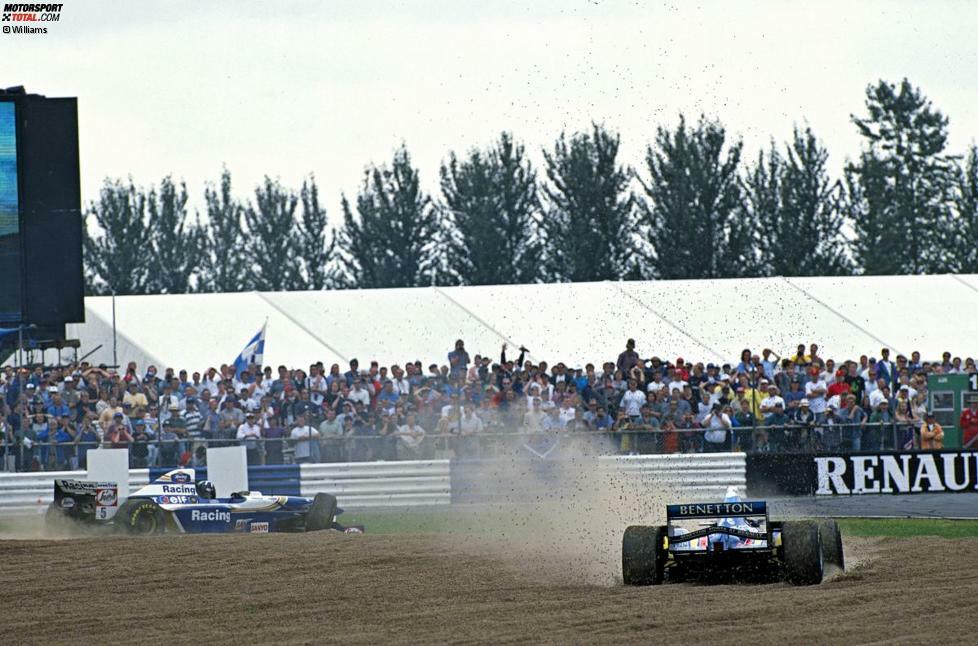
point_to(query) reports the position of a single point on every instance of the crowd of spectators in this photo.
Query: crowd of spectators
(51, 418)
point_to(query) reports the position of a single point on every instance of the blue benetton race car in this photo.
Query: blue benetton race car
(175, 502)
(732, 536)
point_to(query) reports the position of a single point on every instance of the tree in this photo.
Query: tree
(902, 222)
(966, 215)
(315, 238)
(391, 240)
(491, 201)
(795, 206)
(118, 254)
(762, 207)
(273, 242)
(176, 243)
(224, 262)
(694, 201)
(590, 224)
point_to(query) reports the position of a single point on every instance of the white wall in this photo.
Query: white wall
(705, 320)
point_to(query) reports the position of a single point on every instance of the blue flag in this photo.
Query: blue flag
(252, 353)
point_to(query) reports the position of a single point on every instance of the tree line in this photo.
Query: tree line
(696, 209)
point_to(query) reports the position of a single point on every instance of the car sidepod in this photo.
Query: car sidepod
(250, 516)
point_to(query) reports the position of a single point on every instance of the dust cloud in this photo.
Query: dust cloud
(37, 527)
(561, 521)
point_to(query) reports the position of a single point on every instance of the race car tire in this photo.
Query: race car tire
(803, 561)
(141, 518)
(643, 557)
(321, 513)
(831, 538)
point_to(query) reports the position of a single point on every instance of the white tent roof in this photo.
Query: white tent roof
(706, 320)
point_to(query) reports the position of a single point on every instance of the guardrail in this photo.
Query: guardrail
(416, 483)
(364, 485)
(707, 474)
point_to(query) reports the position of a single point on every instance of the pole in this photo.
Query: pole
(115, 359)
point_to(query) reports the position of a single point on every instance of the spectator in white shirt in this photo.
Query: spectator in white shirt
(260, 388)
(772, 400)
(249, 434)
(410, 435)
(359, 393)
(568, 409)
(656, 384)
(451, 407)
(676, 381)
(815, 392)
(717, 424)
(470, 422)
(306, 440)
(905, 384)
(248, 400)
(317, 385)
(210, 382)
(871, 385)
(401, 384)
(632, 400)
(881, 394)
(828, 375)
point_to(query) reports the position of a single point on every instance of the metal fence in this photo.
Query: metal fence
(789, 438)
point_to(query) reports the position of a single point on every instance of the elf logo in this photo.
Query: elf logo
(210, 515)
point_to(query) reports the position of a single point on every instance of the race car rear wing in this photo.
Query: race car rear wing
(86, 499)
(722, 511)
(717, 510)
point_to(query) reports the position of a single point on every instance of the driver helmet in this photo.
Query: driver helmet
(206, 489)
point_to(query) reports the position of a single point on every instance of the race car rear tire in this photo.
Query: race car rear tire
(831, 537)
(803, 561)
(141, 517)
(643, 557)
(321, 513)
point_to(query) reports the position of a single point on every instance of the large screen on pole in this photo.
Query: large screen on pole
(10, 281)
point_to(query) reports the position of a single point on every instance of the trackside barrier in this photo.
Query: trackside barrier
(698, 475)
(704, 474)
(362, 485)
(415, 483)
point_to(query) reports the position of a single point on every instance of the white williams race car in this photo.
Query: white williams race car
(175, 502)
(733, 536)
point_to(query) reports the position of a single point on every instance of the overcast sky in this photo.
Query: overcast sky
(287, 88)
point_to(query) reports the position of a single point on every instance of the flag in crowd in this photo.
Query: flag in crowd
(252, 353)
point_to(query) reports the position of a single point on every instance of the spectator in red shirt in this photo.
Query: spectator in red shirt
(682, 370)
(969, 425)
(839, 386)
